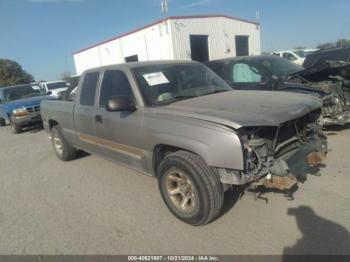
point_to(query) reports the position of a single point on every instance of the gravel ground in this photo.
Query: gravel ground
(94, 206)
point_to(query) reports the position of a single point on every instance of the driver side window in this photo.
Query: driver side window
(114, 83)
(244, 73)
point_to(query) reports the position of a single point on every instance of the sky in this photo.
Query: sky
(42, 35)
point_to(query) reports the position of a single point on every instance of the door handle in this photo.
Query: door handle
(98, 119)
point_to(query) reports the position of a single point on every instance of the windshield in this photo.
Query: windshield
(278, 66)
(51, 86)
(161, 84)
(300, 53)
(20, 92)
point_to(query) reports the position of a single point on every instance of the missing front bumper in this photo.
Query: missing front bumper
(340, 119)
(284, 172)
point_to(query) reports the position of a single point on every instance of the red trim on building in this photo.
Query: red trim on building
(162, 20)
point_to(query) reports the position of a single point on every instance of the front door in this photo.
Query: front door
(119, 133)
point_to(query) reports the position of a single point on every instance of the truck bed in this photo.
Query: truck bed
(59, 111)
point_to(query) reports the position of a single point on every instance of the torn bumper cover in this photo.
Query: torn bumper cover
(286, 170)
(291, 160)
(341, 119)
(335, 109)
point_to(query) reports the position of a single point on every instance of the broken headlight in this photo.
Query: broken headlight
(256, 154)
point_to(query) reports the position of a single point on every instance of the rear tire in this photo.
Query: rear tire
(64, 151)
(2, 122)
(191, 190)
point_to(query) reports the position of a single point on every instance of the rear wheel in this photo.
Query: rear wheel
(62, 148)
(191, 190)
(2, 122)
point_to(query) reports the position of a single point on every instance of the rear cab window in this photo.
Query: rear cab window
(88, 89)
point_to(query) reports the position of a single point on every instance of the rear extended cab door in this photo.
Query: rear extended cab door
(84, 111)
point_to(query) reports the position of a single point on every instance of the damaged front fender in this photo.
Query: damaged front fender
(282, 163)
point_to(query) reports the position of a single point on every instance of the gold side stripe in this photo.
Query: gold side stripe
(120, 148)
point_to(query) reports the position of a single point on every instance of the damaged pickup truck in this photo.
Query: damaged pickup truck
(278, 74)
(180, 122)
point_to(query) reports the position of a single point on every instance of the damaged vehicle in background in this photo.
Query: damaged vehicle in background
(339, 54)
(183, 124)
(272, 73)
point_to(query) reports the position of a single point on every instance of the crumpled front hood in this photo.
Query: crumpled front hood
(300, 88)
(245, 108)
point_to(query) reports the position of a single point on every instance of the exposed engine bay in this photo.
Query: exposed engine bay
(274, 156)
(332, 77)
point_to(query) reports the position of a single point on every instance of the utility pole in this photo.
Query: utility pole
(257, 15)
(164, 7)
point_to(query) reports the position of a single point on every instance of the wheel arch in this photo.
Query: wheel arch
(52, 123)
(217, 151)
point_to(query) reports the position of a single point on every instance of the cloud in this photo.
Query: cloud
(198, 3)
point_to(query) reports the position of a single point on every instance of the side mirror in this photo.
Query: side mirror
(120, 103)
(49, 93)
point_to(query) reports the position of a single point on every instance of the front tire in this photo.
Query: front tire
(191, 190)
(64, 151)
(16, 129)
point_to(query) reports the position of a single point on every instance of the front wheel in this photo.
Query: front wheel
(191, 190)
(16, 129)
(64, 151)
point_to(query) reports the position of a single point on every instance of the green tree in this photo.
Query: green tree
(11, 73)
(342, 43)
(326, 45)
(339, 43)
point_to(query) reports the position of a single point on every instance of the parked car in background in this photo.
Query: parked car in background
(54, 88)
(271, 73)
(183, 124)
(20, 106)
(332, 54)
(296, 56)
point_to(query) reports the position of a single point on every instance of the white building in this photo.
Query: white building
(200, 38)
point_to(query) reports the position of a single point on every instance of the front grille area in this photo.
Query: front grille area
(33, 109)
(293, 133)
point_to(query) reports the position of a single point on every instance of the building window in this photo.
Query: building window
(242, 45)
(133, 58)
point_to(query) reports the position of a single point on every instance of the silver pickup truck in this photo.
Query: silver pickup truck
(180, 122)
